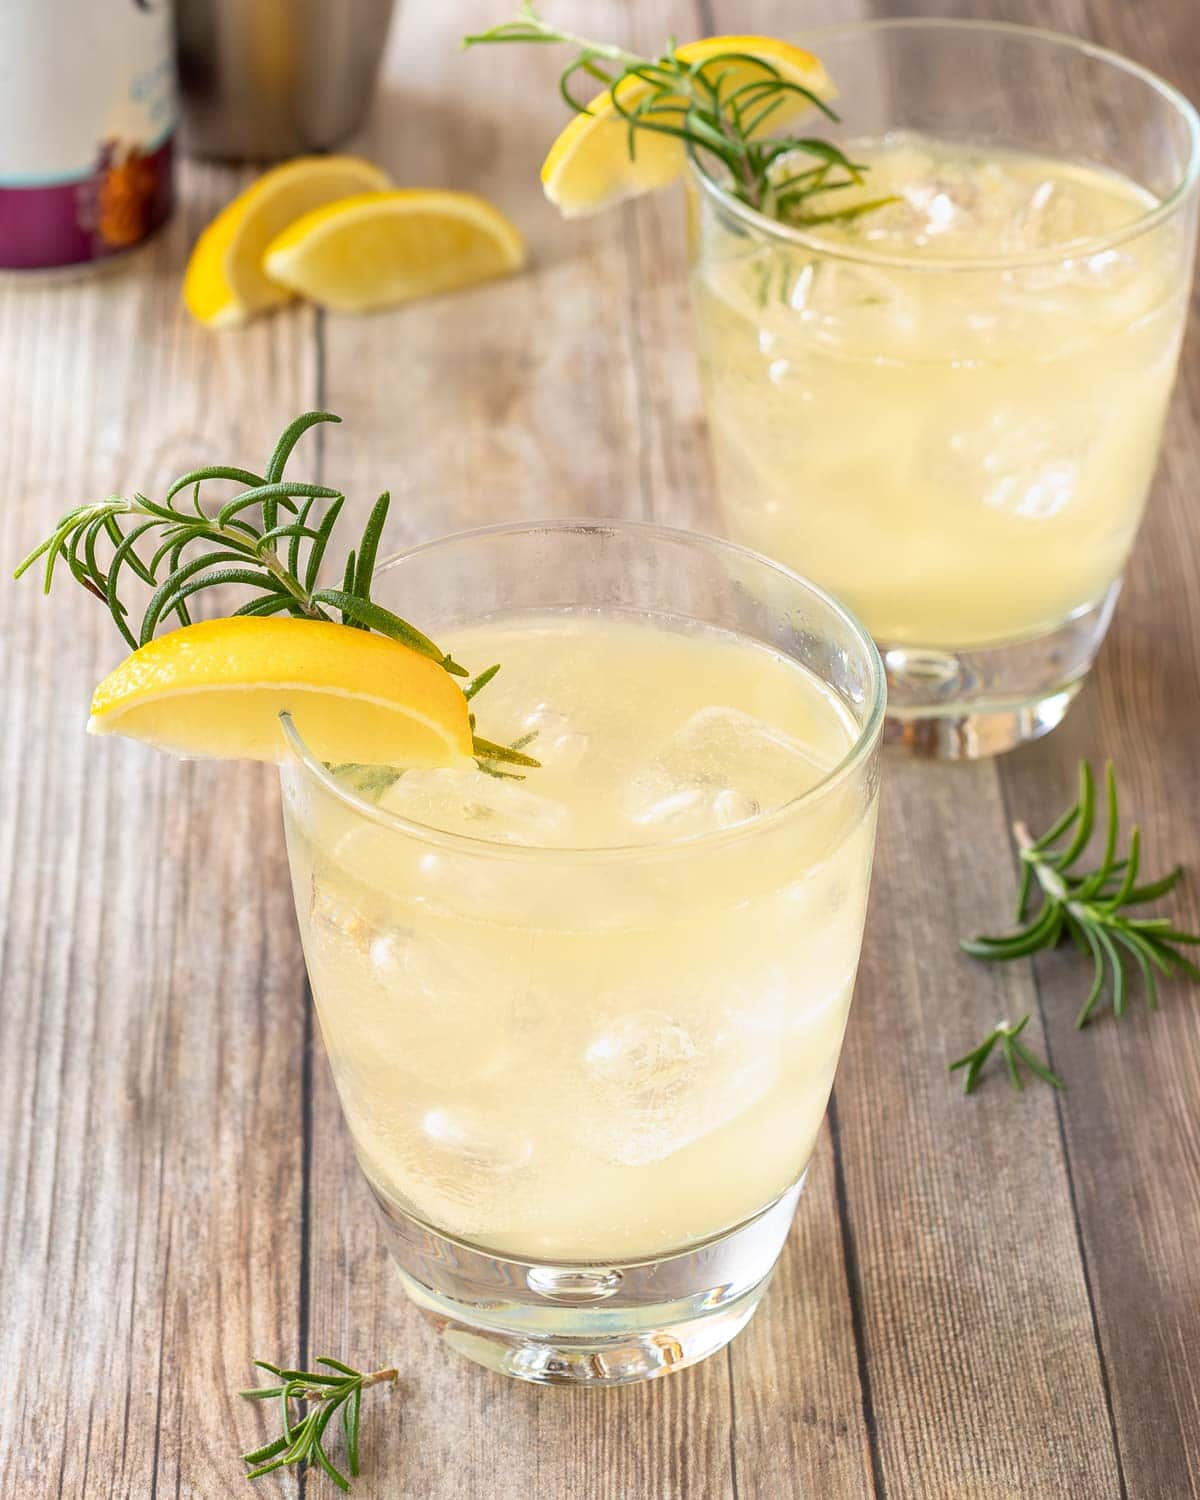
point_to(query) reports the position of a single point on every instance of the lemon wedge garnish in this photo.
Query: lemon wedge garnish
(377, 249)
(224, 282)
(217, 688)
(588, 167)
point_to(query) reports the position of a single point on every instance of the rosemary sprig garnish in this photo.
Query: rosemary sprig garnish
(1014, 1052)
(324, 1395)
(1090, 908)
(719, 117)
(271, 537)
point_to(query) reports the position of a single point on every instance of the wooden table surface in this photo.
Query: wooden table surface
(993, 1297)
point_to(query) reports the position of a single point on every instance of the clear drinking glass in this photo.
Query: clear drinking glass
(584, 1083)
(948, 412)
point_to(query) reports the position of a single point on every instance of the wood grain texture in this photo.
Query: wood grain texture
(995, 1298)
(1132, 1131)
(152, 992)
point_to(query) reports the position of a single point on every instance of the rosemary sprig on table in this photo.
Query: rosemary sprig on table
(271, 537)
(324, 1395)
(1014, 1052)
(1090, 908)
(715, 110)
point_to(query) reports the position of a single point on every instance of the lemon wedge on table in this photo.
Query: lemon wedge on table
(217, 688)
(377, 249)
(589, 168)
(224, 282)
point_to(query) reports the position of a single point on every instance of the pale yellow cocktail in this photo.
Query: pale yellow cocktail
(960, 452)
(614, 1055)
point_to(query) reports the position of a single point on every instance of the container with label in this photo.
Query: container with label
(87, 118)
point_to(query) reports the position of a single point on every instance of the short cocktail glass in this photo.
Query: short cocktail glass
(584, 1026)
(948, 411)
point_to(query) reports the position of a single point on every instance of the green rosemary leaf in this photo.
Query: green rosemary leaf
(1023, 890)
(1036, 1065)
(1016, 944)
(856, 211)
(1010, 1058)
(368, 547)
(1149, 983)
(266, 605)
(316, 553)
(1135, 934)
(381, 620)
(338, 1478)
(212, 471)
(277, 1463)
(288, 439)
(505, 754)
(268, 1450)
(1183, 964)
(302, 530)
(90, 535)
(285, 490)
(1085, 821)
(1093, 942)
(1125, 890)
(291, 530)
(477, 683)
(1112, 825)
(210, 580)
(1116, 969)
(1155, 889)
(28, 561)
(348, 588)
(160, 599)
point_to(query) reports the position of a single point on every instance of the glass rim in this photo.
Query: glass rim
(865, 741)
(1070, 250)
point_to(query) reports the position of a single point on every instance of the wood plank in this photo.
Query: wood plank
(1133, 1170)
(981, 1378)
(519, 399)
(982, 1369)
(1132, 1132)
(149, 1096)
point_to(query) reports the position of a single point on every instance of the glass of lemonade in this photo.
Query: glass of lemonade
(584, 1025)
(948, 410)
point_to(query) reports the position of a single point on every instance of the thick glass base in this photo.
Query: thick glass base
(589, 1324)
(965, 705)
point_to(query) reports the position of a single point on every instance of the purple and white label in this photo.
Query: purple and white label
(87, 115)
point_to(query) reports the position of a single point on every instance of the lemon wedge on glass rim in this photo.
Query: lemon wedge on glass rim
(215, 689)
(224, 283)
(377, 249)
(588, 168)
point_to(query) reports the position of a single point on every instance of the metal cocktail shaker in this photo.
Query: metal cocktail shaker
(262, 79)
